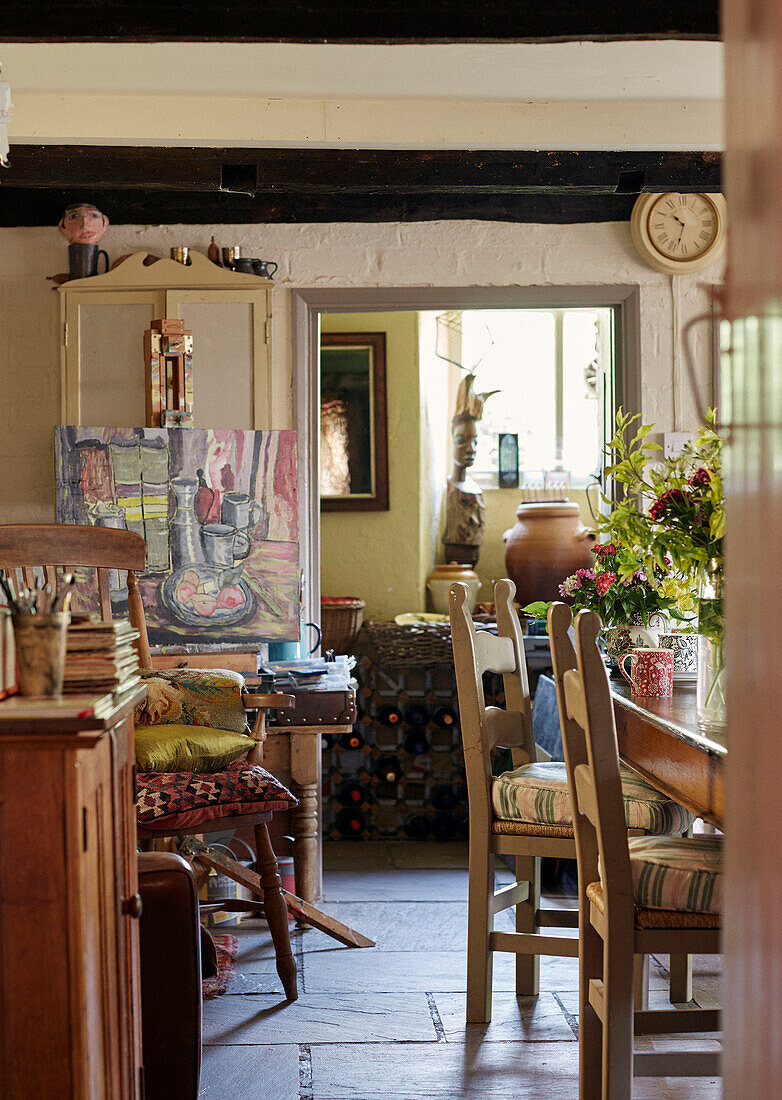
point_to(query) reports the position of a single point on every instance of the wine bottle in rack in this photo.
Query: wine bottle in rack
(416, 741)
(352, 739)
(350, 823)
(388, 769)
(445, 717)
(445, 826)
(389, 715)
(418, 827)
(351, 794)
(416, 714)
(444, 797)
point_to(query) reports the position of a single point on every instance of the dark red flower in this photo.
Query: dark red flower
(603, 551)
(671, 501)
(604, 582)
(702, 476)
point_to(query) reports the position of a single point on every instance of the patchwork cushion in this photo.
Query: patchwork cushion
(680, 873)
(179, 748)
(188, 799)
(193, 697)
(538, 793)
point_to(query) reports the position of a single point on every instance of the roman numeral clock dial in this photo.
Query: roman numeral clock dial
(679, 233)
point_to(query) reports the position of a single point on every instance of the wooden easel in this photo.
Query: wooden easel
(201, 855)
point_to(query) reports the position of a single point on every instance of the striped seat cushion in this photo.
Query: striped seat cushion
(538, 793)
(680, 873)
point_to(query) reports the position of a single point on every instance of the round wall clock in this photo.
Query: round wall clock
(679, 233)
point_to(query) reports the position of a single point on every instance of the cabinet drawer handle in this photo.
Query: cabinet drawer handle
(132, 906)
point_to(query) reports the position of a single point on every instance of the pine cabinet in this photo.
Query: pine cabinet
(103, 320)
(69, 906)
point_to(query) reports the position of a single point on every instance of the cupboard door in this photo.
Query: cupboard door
(98, 971)
(125, 843)
(103, 382)
(230, 354)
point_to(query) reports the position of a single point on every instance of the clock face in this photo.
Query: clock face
(677, 233)
(683, 227)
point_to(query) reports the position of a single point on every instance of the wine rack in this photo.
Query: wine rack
(404, 779)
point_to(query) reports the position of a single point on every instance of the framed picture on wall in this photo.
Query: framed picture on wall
(353, 429)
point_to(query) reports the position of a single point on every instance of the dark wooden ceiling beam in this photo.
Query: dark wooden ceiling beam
(29, 206)
(385, 21)
(357, 171)
(245, 186)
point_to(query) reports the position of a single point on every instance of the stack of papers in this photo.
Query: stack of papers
(312, 673)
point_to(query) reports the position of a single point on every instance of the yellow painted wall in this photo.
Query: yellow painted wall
(377, 555)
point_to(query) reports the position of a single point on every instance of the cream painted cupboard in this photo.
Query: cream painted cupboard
(103, 320)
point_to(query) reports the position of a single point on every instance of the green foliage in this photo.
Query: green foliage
(673, 511)
(538, 609)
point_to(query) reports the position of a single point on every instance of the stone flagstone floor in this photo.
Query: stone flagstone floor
(387, 1023)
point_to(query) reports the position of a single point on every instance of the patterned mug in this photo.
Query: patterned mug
(685, 654)
(651, 672)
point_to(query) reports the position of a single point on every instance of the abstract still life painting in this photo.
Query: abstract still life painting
(218, 512)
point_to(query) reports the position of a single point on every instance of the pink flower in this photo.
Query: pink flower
(585, 575)
(604, 582)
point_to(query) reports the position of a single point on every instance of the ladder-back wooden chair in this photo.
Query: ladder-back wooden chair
(170, 804)
(506, 832)
(646, 895)
(525, 812)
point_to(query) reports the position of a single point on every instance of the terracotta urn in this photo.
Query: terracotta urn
(548, 543)
(440, 580)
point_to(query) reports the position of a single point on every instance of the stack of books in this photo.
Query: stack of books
(100, 657)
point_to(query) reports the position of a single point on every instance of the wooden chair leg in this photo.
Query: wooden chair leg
(528, 966)
(479, 925)
(276, 911)
(641, 983)
(681, 979)
(618, 973)
(590, 1028)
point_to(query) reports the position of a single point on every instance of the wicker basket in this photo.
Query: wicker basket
(340, 620)
(410, 646)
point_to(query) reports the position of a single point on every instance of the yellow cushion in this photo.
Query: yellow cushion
(177, 748)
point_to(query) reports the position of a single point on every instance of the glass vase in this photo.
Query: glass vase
(711, 652)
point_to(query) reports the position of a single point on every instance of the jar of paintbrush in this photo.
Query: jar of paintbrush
(40, 617)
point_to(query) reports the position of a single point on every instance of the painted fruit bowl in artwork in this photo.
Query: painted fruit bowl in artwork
(206, 595)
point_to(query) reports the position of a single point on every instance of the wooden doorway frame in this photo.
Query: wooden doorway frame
(309, 303)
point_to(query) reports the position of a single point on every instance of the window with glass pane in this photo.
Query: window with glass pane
(551, 367)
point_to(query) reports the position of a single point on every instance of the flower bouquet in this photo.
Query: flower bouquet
(632, 604)
(683, 524)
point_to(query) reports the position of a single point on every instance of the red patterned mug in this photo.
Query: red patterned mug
(651, 672)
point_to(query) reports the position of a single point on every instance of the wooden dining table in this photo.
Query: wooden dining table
(660, 739)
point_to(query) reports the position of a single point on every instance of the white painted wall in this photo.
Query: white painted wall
(566, 95)
(330, 255)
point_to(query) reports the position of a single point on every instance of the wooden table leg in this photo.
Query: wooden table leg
(304, 818)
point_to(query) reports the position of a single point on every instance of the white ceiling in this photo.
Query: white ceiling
(524, 73)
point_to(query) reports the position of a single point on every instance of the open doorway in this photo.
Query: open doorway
(560, 365)
(309, 308)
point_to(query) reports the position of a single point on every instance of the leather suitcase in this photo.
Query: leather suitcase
(170, 949)
(320, 708)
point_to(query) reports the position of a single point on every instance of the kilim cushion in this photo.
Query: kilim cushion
(188, 799)
(538, 793)
(682, 873)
